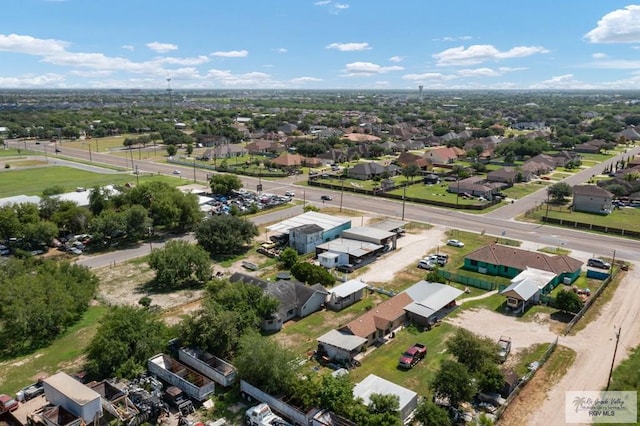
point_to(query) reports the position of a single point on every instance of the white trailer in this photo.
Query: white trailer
(211, 366)
(192, 383)
(299, 418)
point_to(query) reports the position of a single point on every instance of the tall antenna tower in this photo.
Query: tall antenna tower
(170, 100)
(420, 92)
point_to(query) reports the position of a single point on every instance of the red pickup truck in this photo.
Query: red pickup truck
(7, 403)
(412, 356)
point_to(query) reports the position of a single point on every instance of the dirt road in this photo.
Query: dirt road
(594, 345)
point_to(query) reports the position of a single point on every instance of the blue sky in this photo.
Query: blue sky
(326, 44)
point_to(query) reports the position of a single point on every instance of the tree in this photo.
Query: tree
(429, 413)
(312, 274)
(453, 382)
(490, 378)
(568, 301)
(172, 150)
(266, 365)
(180, 264)
(222, 235)
(472, 351)
(224, 184)
(9, 222)
(126, 338)
(289, 257)
(559, 191)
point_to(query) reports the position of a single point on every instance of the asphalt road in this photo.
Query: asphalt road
(498, 223)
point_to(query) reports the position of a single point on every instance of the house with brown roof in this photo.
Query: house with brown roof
(381, 320)
(540, 164)
(288, 161)
(264, 146)
(508, 261)
(509, 175)
(443, 155)
(592, 199)
(474, 185)
(408, 159)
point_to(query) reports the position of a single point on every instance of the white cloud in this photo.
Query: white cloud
(619, 26)
(382, 83)
(368, 68)
(322, 3)
(396, 58)
(281, 50)
(616, 64)
(449, 38)
(129, 47)
(333, 8)
(90, 73)
(559, 82)
(479, 53)
(599, 55)
(349, 47)
(487, 72)
(305, 79)
(231, 54)
(161, 47)
(429, 76)
(198, 60)
(31, 45)
(341, 6)
(30, 80)
(226, 78)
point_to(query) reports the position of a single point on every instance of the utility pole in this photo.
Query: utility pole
(131, 154)
(614, 357)
(341, 191)
(404, 199)
(90, 160)
(194, 170)
(547, 214)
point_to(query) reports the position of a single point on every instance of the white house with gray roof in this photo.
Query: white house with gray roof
(345, 294)
(592, 199)
(373, 384)
(430, 301)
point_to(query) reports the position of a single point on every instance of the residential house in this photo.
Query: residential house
(526, 287)
(264, 146)
(334, 156)
(508, 261)
(211, 140)
(509, 175)
(443, 155)
(540, 164)
(287, 128)
(592, 147)
(592, 199)
(630, 134)
(373, 384)
(381, 320)
(529, 125)
(474, 185)
(369, 170)
(346, 294)
(431, 301)
(409, 159)
(360, 137)
(296, 300)
(288, 161)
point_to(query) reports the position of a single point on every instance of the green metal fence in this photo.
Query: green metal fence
(466, 280)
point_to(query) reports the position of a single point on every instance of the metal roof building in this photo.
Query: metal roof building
(429, 298)
(353, 248)
(373, 384)
(325, 221)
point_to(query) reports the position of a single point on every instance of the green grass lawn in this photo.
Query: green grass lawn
(63, 354)
(625, 218)
(383, 361)
(33, 181)
(520, 190)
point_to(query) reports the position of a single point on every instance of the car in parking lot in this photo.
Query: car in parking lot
(326, 198)
(427, 264)
(439, 259)
(455, 243)
(7, 403)
(598, 263)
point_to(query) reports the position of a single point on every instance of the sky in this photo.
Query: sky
(323, 44)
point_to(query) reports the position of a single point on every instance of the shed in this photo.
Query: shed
(80, 400)
(346, 294)
(356, 250)
(339, 346)
(430, 301)
(373, 384)
(371, 234)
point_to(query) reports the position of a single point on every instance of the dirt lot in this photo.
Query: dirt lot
(594, 347)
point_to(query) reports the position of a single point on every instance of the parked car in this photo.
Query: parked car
(598, 263)
(504, 347)
(439, 259)
(455, 243)
(345, 268)
(290, 194)
(427, 264)
(7, 403)
(412, 356)
(326, 198)
(177, 172)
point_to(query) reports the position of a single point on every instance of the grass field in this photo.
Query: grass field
(33, 180)
(65, 353)
(625, 218)
(523, 189)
